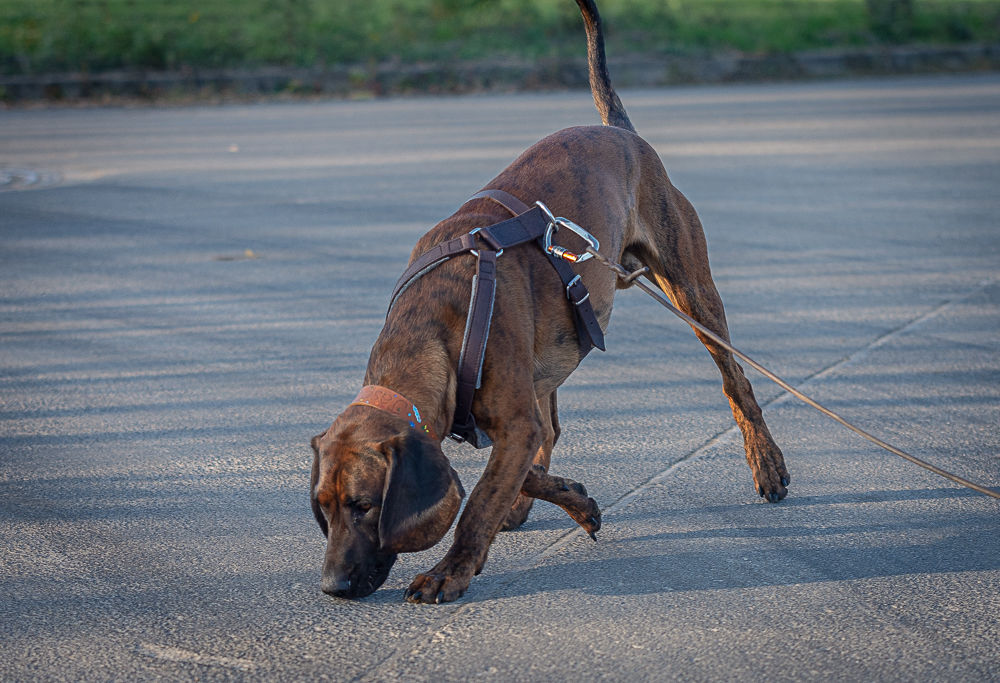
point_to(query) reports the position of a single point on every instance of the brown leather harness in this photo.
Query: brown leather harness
(529, 224)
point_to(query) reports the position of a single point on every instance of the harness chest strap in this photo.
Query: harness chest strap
(470, 361)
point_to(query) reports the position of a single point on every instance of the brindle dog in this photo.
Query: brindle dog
(380, 487)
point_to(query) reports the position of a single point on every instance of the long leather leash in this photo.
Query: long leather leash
(633, 278)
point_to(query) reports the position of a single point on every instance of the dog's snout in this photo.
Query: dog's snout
(339, 586)
(356, 579)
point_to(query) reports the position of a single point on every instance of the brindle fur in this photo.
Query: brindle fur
(607, 179)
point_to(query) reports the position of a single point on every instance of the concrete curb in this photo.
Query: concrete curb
(497, 75)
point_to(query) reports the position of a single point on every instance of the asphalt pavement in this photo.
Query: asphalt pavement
(188, 294)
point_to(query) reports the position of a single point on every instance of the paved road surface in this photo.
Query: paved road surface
(158, 388)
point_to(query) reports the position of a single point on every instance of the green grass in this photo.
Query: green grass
(92, 35)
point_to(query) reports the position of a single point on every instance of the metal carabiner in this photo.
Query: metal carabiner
(561, 252)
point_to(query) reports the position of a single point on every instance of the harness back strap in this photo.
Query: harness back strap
(431, 259)
(504, 199)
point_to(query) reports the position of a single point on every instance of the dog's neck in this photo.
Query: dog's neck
(409, 356)
(420, 370)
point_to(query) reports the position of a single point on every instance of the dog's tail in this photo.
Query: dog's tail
(608, 105)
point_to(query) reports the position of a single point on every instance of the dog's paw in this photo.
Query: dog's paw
(770, 476)
(581, 507)
(437, 587)
(772, 486)
(570, 495)
(587, 515)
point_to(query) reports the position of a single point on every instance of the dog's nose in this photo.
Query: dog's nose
(334, 585)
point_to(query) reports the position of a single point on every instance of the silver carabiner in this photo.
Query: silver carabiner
(561, 252)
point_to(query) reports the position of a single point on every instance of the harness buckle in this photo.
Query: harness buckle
(576, 282)
(561, 252)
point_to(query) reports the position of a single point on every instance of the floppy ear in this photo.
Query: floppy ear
(313, 479)
(422, 495)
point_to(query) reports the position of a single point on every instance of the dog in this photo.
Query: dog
(380, 483)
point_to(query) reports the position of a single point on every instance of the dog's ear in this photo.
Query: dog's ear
(422, 495)
(313, 480)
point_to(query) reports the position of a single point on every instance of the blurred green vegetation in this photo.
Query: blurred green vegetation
(93, 35)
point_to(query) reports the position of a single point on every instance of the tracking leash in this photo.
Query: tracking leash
(633, 278)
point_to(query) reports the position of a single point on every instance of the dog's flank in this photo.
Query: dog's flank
(380, 486)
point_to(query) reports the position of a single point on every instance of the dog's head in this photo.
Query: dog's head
(376, 497)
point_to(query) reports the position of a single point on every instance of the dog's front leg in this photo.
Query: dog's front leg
(486, 510)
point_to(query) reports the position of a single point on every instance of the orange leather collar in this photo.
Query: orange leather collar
(387, 400)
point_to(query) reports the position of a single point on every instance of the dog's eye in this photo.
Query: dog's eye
(361, 507)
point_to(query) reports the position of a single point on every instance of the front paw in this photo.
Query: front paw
(437, 586)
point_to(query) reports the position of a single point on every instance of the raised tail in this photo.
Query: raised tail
(608, 105)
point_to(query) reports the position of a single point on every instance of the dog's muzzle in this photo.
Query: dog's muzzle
(359, 580)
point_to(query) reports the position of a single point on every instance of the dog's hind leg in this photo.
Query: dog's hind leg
(680, 268)
(567, 494)
(550, 424)
(538, 483)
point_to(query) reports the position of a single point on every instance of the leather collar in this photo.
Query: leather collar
(387, 400)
